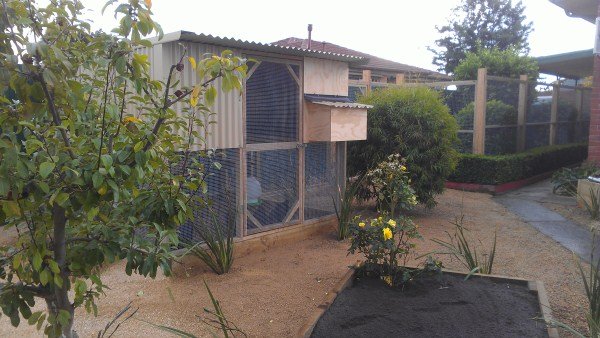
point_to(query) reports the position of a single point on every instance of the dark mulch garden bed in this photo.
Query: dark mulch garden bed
(434, 306)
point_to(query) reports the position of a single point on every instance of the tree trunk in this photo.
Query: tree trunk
(61, 295)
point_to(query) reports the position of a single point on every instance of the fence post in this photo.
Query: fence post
(522, 112)
(480, 106)
(554, 113)
(366, 77)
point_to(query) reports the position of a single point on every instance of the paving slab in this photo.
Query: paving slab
(526, 203)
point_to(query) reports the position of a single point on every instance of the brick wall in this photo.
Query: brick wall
(594, 140)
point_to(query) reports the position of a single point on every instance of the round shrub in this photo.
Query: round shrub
(415, 123)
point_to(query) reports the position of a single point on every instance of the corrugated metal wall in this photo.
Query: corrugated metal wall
(227, 131)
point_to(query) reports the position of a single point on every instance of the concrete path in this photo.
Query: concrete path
(525, 202)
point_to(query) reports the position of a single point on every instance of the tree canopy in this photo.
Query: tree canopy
(481, 24)
(88, 143)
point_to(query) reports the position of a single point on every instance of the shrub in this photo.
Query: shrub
(390, 185)
(218, 254)
(497, 113)
(346, 199)
(506, 63)
(565, 179)
(415, 123)
(384, 242)
(498, 169)
(462, 248)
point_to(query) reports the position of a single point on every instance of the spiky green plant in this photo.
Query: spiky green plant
(345, 200)
(216, 248)
(460, 247)
(593, 206)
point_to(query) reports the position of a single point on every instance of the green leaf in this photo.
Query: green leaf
(97, 180)
(93, 213)
(210, 95)
(46, 168)
(37, 261)
(61, 198)
(45, 277)
(107, 160)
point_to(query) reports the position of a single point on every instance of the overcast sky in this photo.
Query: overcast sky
(398, 30)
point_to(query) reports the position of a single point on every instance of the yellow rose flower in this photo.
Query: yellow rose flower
(403, 168)
(131, 119)
(380, 219)
(361, 224)
(392, 222)
(387, 233)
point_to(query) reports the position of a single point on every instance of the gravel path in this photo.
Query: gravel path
(271, 293)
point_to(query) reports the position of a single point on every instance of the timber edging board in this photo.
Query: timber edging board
(535, 287)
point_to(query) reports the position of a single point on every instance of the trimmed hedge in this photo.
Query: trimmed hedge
(487, 169)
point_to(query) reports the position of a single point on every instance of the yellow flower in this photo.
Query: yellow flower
(392, 222)
(102, 191)
(361, 224)
(403, 168)
(380, 219)
(387, 233)
(387, 280)
(131, 119)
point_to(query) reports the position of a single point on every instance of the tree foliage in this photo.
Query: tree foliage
(88, 141)
(481, 24)
(415, 123)
(505, 63)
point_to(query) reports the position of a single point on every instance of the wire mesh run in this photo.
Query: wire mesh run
(271, 188)
(214, 205)
(321, 180)
(272, 104)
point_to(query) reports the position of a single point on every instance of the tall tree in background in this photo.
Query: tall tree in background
(479, 24)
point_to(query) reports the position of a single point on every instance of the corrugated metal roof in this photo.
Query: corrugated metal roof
(343, 104)
(585, 9)
(255, 46)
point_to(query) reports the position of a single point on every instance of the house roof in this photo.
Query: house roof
(256, 46)
(573, 65)
(584, 9)
(373, 63)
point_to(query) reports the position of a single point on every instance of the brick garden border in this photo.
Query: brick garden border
(536, 287)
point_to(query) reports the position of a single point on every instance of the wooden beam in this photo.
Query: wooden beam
(254, 220)
(480, 108)
(291, 213)
(522, 113)
(579, 109)
(554, 113)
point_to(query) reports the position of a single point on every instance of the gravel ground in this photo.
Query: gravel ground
(271, 293)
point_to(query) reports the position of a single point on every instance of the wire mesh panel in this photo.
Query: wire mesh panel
(584, 124)
(501, 116)
(460, 102)
(566, 127)
(321, 180)
(272, 104)
(538, 117)
(214, 203)
(355, 91)
(271, 188)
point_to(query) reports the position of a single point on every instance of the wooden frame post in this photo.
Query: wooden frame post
(366, 77)
(522, 112)
(480, 107)
(554, 113)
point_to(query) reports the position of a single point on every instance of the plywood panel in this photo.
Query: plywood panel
(348, 124)
(325, 77)
(318, 127)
